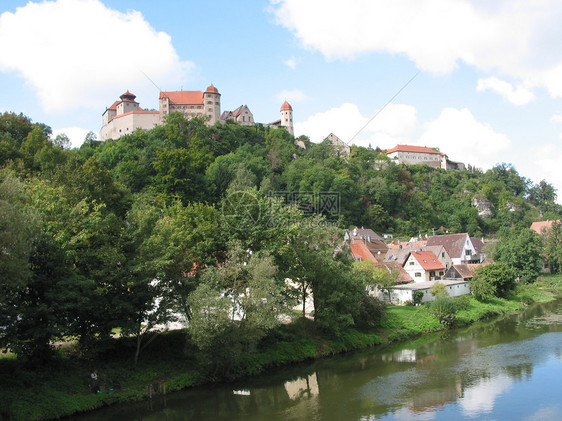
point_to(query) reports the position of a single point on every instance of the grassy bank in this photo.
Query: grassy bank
(63, 387)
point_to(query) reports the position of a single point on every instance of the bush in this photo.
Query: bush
(371, 311)
(418, 297)
(462, 302)
(494, 280)
(444, 309)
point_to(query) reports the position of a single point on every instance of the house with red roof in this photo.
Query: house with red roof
(126, 116)
(424, 266)
(541, 227)
(422, 155)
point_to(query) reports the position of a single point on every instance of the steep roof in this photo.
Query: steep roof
(477, 243)
(428, 260)
(411, 148)
(211, 89)
(286, 107)
(360, 251)
(541, 226)
(453, 243)
(184, 97)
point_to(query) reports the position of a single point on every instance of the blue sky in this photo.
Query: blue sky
(488, 87)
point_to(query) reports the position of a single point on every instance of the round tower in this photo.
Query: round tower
(212, 104)
(287, 117)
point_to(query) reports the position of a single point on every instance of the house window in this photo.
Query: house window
(412, 263)
(469, 252)
(443, 254)
(209, 102)
(441, 273)
(417, 274)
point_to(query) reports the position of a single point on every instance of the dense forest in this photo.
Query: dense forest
(187, 218)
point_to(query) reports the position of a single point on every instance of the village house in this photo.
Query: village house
(430, 265)
(423, 266)
(464, 271)
(461, 247)
(370, 238)
(541, 228)
(417, 155)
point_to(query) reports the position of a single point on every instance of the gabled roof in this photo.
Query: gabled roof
(411, 148)
(427, 260)
(184, 97)
(540, 227)
(361, 252)
(453, 243)
(466, 271)
(477, 243)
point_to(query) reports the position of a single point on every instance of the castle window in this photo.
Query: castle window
(217, 103)
(209, 102)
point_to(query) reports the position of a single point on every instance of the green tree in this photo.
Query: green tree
(439, 290)
(553, 247)
(521, 250)
(234, 307)
(493, 280)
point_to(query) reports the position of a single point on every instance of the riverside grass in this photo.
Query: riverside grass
(62, 388)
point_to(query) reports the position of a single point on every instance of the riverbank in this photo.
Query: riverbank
(63, 387)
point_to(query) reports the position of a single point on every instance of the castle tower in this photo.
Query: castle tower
(212, 104)
(287, 117)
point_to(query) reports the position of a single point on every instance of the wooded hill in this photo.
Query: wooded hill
(85, 232)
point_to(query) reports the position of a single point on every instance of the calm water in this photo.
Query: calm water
(504, 370)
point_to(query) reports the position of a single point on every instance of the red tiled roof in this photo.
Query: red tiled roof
(286, 107)
(128, 97)
(360, 251)
(410, 148)
(184, 97)
(212, 89)
(427, 260)
(540, 227)
(114, 106)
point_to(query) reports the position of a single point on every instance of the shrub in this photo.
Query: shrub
(462, 302)
(418, 297)
(371, 311)
(439, 290)
(444, 310)
(494, 280)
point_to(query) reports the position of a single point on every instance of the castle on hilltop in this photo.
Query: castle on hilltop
(125, 116)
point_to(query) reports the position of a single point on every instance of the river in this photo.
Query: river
(508, 369)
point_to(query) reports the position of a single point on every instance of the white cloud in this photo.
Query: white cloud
(294, 95)
(519, 95)
(482, 396)
(515, 38)
(543, 163)
(458, 134)
(75, 134)
(80, 53)
(291, 63)
(557, 118)
(392, 125)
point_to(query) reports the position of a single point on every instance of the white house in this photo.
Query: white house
(423, 266)
(461, 247)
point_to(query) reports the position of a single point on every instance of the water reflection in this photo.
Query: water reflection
(498, 370)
